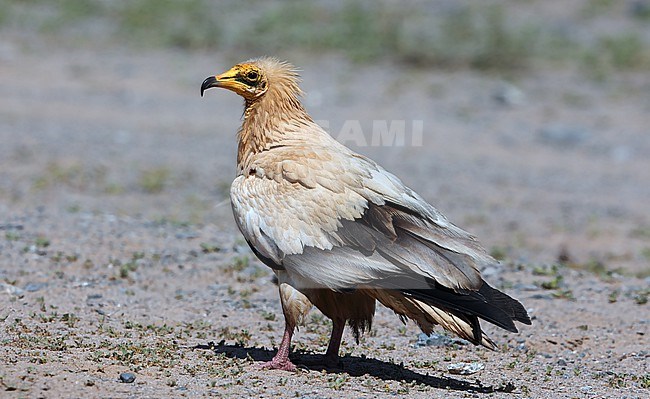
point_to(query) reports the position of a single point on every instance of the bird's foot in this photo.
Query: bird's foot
(278, 364)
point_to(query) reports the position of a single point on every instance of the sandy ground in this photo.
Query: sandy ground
(118, 252)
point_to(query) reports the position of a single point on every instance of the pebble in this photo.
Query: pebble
(562, 363)
(33, 287)
(640, 9)
(490, 272)
(11, 226)
(127, 378)
(563, 136)
(542, 296)
(463, 368)
(526, 287)
(438, 340)
(186, 235)
(12, 290)
(509, 95)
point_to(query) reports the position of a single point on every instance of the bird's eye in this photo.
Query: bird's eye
(252, 75)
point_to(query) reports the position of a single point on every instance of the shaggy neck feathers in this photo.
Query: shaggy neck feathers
(274, 114)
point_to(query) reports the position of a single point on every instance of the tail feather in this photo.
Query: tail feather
(465, 327)
(509, 305)
(488, 304)
(458, 312)
(426, 316)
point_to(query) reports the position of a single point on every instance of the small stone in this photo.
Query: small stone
(127, 378)
(489, 272)
(542, 296)
(12, 290)
(526, 287)
(463, 368)
(509, 95)
(586, 388)
(640, 9)
(33, 287)
(562, 136)
(186, 235)
(562, 363)
(438, 340)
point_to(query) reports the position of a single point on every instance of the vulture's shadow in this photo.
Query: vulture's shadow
(356, 366)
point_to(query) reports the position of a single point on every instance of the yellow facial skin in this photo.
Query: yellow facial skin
(246, 80)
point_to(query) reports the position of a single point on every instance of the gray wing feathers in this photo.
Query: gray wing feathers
(352, 202)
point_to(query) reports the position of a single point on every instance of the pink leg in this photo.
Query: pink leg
(332, 354)
(281, 359)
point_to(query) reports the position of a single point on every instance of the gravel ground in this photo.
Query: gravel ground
(118, 253)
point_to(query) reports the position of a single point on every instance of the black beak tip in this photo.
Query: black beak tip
(208, 83)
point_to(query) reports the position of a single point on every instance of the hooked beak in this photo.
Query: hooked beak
(227, 80)
(209, 83)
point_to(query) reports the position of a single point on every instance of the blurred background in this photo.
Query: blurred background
(536, 114)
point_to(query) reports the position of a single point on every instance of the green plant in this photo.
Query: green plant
(12, 236)
(42, 242)
(184, 24)
(154, 180)
(208, 248)
(498, 253)
(552, 284)
(624, 50)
